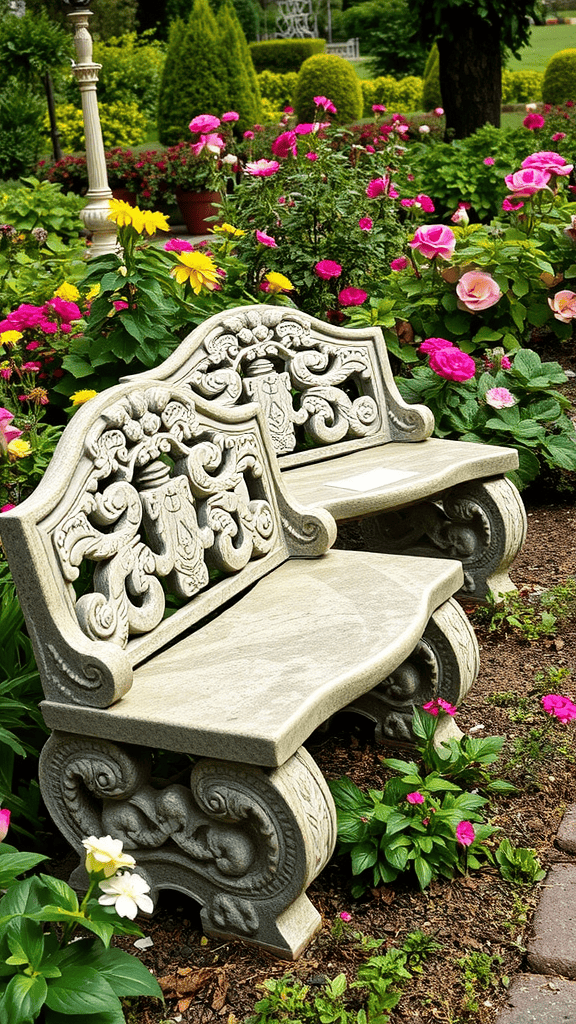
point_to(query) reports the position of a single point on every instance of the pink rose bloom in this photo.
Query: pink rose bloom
(204, 123)
(378, 108)
(248, 135)
(345, 916)
(352, 296)
(400, 263)
(311, 156)
(120, 304)
(434, 240)
(477, 290)
(500, 398)
(230, 115)
(213, 143)
(434, 345)
(288, 110)
(32, 345)
(533, 121)
(407, 203)
(31, 367)
(460, 216)
(8, 433)
(370, 149)
(438, 111)
(424, 202)
(415, 798)
(527, 181)
(465, 833)
(561, 707)
(178, 245)
(285, 144)
(265, 239)
(381, 186)
(549, 162)
(67, 311)
(489, 161)
(327, 269)
(438, 704)
(558, 136)
(262, 168)
(5, 813)
(306, 128)
(365, 223)
(509, 206)
(452, 364)
(505, 363)
(563, 305)
(325, 103)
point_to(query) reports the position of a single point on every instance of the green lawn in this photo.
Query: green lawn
(545, 41)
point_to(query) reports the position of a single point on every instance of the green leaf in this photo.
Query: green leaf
(23, 999)
(66, 896)
(80, 990)
(16, 864)
(423, 872)
(363, 856)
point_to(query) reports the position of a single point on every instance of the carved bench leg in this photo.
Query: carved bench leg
(444, 663)
(243, 841)
(482, 523)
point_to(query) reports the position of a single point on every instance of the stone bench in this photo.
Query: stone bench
(181, 604)
(347, 441)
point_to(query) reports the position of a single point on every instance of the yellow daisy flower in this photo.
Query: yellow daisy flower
(19, 449)
(278, 283)
(68, 292)
(229, 229)
(79, 397)
(121, 213)
(198, 269)
(154, 221)
(10, 337)
(94, 291)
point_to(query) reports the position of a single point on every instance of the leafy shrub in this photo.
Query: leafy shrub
(521, 86)
(388, 35)
(431, 94)
(31, 45)
(121, 123)
(40, 204)
(71, 173)
(131, 71)
(402, 95)
(277, 89)
(559, 82)
(282, 55)
(518, 864)
(329, 76)
(236, 68)
(21, 117)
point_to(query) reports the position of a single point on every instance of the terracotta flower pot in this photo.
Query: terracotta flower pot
(195, 208)
(125, 195)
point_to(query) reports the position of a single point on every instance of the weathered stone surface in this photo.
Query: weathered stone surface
(553, 948)
(566, 837)
(535, 999)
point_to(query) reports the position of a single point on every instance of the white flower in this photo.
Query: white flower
(230, 159)
(127, 893)
(530, 106)
(105, 854)
(424, 129)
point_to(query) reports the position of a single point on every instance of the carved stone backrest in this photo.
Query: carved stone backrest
(155, 510)
(317, 384)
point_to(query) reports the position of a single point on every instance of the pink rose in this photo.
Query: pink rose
(424, 202)
(533, 121)
(230, 115)
(265, 239)
(262, 168)
(527, 181)
(452, 364)
(549, 162)
(4, 813)
(558, 136)
(415, 798)
(434, 240)
(213, 143)
(285, 144)
(561, 707)
(325, 103)
(381, 186)
(248, 135)
(352, 296)
(204, 123)
(509, 206)
(178, 245)
(67, 311)
(345, 916)
(465, 833)
(327, 269)
(477, 290)
(500, 398)
(400, 263)
(312, 156)
(438, 111)
(288, 110)
(489, 161)
(563, 305)
(378, 108)
(365, 223)
(7, 433)
(460, 216)
(434, 345)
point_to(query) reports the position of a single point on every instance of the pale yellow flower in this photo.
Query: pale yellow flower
(18, 449)
(94, 291)
(229, 229)
(105, 855)
(68, 292)
(10, 337)
(278, 283)
(121, 213)
(198, 269)
(154, 221)
(79, 397)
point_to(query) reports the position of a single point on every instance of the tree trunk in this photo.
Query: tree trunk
(470, 73)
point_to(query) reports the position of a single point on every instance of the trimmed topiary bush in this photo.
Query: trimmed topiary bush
(330, 76)
(278, 90)
(236, 68)
(559, 82)
(403, 96)
(521, 86)
(431, 95)
(282, 55)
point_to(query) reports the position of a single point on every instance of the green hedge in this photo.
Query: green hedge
(521, 86)
(400, 96)
(559, 82)
(277, 90)
(331, 76)
(281, 55)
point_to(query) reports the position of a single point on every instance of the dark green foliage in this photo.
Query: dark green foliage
(559, 82)
(510, 17)
(248, 13)
(113, 18)
(21, 117)
(388, 34)
(191, 81)
(431, 94)
(30, 46)
(333, 77)
(237, 70)
(283, 55)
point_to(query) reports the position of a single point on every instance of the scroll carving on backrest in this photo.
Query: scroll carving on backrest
(168, 498)
(272, 356)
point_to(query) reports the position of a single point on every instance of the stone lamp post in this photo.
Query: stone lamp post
(95, 213)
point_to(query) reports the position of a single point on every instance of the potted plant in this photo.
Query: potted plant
(70, 172)
(123, 178)
(196, 170)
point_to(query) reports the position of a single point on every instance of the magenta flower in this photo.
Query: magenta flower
(434, 345)
(527, 182)
(352, 296)
(432, 240)
(452, 364)
(311, 156)
(500, 398)
(67, 311)
(265, 239)
(478, 290)
(549, 162)
(415, 798)
(365, 223)
(230, 115)
(325, 103)
(327, 269)
(561, 707)
(204, 123)
(7, 433)
(424, 202)
(465, 833)
(460, 216)
(505, 363)
(248, 135)
(533, 121)
(345, 916)
(306, 128)
(438, 111)
(178, 245)
(4, 813)
(262, 168)
(285, 144)
(489, 161)
(400, 263)
(378, 108)
(509, 205)
(6, 508)
(433, 707)
(31, 367)
(212, 142)
(288, 110)
(381, 187)
(369, 148)
(558, 136)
